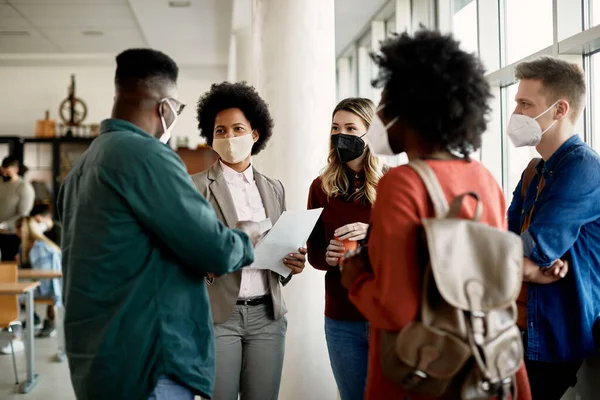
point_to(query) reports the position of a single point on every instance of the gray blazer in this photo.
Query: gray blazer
(224, 291)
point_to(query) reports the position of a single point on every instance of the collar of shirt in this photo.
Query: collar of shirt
(555, 158)
(230, 174)
(114, 124)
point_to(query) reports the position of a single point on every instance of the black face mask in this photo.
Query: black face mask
(5, 178)
(348, 147)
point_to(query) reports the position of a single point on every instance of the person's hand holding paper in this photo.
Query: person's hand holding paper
(285, 242)
(296, 261)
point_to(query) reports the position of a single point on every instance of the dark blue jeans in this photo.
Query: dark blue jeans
(348, 345)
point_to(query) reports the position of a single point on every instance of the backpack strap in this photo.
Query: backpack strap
(528, 175)
(436, 194)
(456, 205)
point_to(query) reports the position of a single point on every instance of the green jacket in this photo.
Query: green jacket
(138, 240)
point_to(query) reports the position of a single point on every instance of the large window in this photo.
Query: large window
(594, 107)
(464, 24)
(390, 26)
(516, 158)
(594, 12)
(528, 27)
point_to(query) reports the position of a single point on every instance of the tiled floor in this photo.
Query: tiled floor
(54, 381)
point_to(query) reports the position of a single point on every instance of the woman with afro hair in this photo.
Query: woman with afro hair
(434, 107)
(248, 305)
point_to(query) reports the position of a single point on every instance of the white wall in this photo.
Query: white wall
(28, 91)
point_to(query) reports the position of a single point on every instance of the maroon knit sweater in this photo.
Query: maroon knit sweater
(337, 212)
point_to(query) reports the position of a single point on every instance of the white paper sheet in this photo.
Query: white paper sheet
(290, 232)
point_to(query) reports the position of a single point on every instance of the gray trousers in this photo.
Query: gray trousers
(250, 349)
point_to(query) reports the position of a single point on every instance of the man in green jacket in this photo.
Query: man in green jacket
(138, 240)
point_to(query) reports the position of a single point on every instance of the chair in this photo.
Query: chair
(9, 307)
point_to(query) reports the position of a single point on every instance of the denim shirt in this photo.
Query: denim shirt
(561, 316)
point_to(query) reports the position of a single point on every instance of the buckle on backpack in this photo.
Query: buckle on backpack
(478, 326)
(413, 379)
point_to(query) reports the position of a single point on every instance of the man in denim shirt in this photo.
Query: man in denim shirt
(559, 222)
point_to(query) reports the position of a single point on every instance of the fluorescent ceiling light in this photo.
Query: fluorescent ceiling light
(92, 33)
(179, 3)
(15, 33)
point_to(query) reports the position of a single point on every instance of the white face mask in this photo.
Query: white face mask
(164, 138)
(377, 136)
(525, 131)
(234, 149)
(43, 226)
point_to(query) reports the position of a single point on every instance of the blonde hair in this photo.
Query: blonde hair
(333, 178)
(30, 232)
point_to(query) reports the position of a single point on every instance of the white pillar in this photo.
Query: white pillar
(377, 37)
(364, 72)
(294, 50)
(244, 62)
(343, 78)
(232, 62)
(403, 16)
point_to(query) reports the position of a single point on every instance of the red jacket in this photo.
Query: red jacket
(389, 296)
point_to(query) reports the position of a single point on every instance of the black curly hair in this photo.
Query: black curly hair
(434, 88)
(222, 96)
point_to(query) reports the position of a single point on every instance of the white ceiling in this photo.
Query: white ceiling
(98, 29)
(196, 35)
(351, 17)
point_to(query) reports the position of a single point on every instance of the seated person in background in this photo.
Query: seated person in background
(52, 229)
(16, 200)
(41, 253)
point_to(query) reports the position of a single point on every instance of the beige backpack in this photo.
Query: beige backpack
(466, 344)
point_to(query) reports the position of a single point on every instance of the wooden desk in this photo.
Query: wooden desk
(8, 263)
(38, 274)
(25, 288)
(17, 288)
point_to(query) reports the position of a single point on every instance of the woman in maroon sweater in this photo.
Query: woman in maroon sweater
(346, 191)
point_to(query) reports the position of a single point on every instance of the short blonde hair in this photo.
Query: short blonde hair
(560, 79)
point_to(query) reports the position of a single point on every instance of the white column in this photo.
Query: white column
(232, 62)
(403, 16)
(294, 50)
(377, 37)
(364, 72)
(244, 62)
(343, 78)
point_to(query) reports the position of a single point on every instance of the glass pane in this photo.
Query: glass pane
(365, 72)
(517, 158)
(464, 24)
(529, 28)
(595, 109)
(491, 146)
(4, 150)
(595, 12)
(390, 26)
